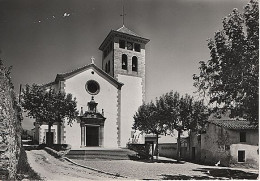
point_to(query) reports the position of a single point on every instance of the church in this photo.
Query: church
(107, 97)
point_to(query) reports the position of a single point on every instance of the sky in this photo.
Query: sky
(41, 38)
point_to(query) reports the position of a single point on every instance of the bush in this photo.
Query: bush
(58, 150)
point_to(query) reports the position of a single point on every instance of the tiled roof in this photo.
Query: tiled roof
(123, 29)
(48, 84)
(67, 74)
(233, 124)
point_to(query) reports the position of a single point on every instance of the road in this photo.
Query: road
(50, 168)
(168, 169)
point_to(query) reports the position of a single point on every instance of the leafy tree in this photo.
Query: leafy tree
(147, 120)
(171, 112)
(182, 113)
(230, 78)
(48, 107)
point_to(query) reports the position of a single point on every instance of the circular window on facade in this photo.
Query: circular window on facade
(92, 87)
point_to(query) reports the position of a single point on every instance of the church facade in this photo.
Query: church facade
(107, 97)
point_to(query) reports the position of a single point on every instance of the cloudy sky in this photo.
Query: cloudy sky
(41, 38)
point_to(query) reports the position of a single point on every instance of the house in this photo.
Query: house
(106, 96)
(230, 142)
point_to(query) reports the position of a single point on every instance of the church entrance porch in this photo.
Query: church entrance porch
(92, 135)
(92, 126)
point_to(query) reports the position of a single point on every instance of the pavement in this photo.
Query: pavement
(51, 168)
(165, 169)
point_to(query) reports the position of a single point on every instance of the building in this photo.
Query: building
(227, 142)
(107, 96)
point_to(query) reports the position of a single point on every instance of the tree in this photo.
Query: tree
(48, 107)
(147, 120)
(182, 113)
(171, 112)
(230, 78)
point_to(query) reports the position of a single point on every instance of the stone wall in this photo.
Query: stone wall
(215, 146)
(194, 147)
(168, 150)
(10, 127)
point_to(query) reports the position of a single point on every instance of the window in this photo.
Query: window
(129, 46)
(92, 87)
(137, 47)
(227, 147)
(241, 156)
(134, 63)
(199, 139)
(108, 67)
(124, 61)
(242, 136)
(122, 44)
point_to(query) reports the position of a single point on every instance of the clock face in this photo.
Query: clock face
(129, 46)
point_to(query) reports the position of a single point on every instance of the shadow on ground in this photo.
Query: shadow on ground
(214, 173)
(135, 158)
(228, 173)
(186, 177)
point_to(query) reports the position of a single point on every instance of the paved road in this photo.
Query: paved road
(50, 168)
(167, 169)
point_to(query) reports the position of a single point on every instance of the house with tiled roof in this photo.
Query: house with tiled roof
(107, 96)
(226, 142)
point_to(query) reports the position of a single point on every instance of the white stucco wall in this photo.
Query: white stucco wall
(251, 153)
(42, 133)
(131, 99)
(106, 99)
(72, 134)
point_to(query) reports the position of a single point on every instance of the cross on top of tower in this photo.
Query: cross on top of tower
(123, 13)
(92, 60)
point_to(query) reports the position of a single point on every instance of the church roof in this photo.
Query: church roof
(66, 75)
(234, 124)
(49, 84)
(125, 30)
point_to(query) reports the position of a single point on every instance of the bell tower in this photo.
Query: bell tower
(123, 53)
(123, 57)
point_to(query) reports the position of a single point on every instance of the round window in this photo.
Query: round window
(92, 87)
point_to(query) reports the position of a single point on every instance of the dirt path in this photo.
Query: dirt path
(50, 168)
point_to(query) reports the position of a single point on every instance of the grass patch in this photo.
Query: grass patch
(24, 170)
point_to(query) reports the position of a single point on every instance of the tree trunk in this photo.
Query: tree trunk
(179, 146)
(49, 127)
(49, 136)
(157, 147)
(189, 152)
(58, 132)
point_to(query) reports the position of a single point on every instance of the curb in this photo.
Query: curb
(100, 171)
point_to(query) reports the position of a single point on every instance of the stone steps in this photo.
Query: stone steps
(113, 154)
